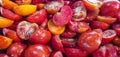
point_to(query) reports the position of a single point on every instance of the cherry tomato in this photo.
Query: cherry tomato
(106, 51)
(4, 55)
(57, 54)
(11, 34)
(38, 17)
(37, 50)
(63, 17)
(110, 8)
(23, 1)
(16, 49)
(40, 36)
(10, 15)
(89, 41)
(116, 27)
(99, 25)
(24, 10)
(54, 28)
(4, 22)
(26, 29)
(116, 41)
(108, 35)
(56, 43)
(5, 42)
(79, 11)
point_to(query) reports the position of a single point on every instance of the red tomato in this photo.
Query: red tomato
(106, 51)
(38, 17)
(116, 41)
(116, 27)
(79, 11)
(89, 41)
(23, 1)
(63, 17)
(99, 25)
(40, 36)
(16, 49)
(56, 43)
(37, 1)
(110, 8)
(108, 35)
(11, 34)
(4, 55)
(37, 50)
(56, 54)
(26, 29)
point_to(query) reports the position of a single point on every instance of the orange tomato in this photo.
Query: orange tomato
(4, 22)
(55, 29)
(25, 10)
(5, 42)
(8, 4)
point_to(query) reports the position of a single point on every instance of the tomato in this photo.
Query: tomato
(53, 6)
(26, 29)
(4, 55)
(37, 1)
(16, 49)
(10, 15)
(107, 50)
(4, 22)
(79, 11)
(57, 54)
(24, 10)
(40, 36)
(38, 17)
(109, 20)
(99, 25)
(110, 8)
(54, 28)
(78, 26)
(23, 1)
(116, 27)
(74, 52)
(8, 4)
(56, 43)
(5, 42)
(63, 17)
(37, 50)
(89, 41)
(116, 41)
(11, 34)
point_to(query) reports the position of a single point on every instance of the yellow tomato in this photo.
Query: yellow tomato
(5, 42)
(55, 29)
(25, 10)
(4, 22)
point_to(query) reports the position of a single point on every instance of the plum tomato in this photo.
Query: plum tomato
(116, 27)
(99, 25)
(37, 1)
(11, 34)
(37, 17)
(78, 26)
(40, 36)
(108, 35)
(89, 41)
(116, 41)
(37, 50)
(75, 52)
(10, 15)
(16, 49)
(106, 19)
(79, 11)
(26, 29)
(54, 28)
(5, 42)
(4, 22)
(57, 43)
(53, 6)
(25, 10)
(63, 17)
(23, 1)
(8, 4)
(107, 50)
(56, 54)
(4, 55)
(110, 8)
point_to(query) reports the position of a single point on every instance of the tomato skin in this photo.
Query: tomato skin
(56, 54)
(38, 17)
(40, 36)
(4, 55)
(116, 27)
(16, 49)
(37, 1)
(37, 50)
(23, 1)
(116, 41)
(91, 39)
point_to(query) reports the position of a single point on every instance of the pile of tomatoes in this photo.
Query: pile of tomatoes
(59, 28)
